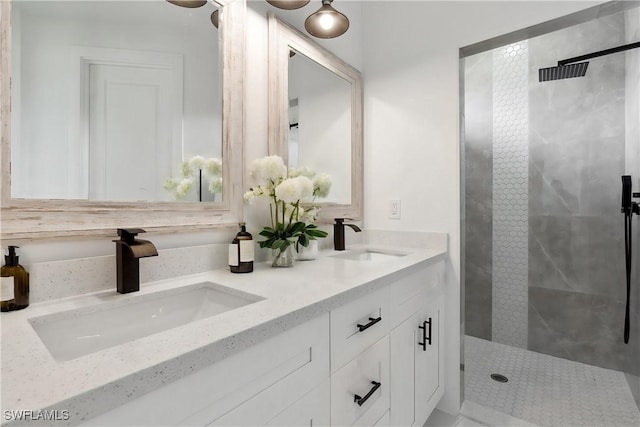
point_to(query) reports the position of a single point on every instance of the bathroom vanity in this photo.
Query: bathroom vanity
(352, 338)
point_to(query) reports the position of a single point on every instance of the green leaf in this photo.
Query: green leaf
(303, 240)
(284, 245)
(317, 233)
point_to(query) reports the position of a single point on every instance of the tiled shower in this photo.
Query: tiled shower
(544, 253)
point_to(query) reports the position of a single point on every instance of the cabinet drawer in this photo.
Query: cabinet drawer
(405, 292)
(356, 398)
(355, 326)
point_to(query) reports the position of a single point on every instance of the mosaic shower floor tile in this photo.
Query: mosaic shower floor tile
(546, 390)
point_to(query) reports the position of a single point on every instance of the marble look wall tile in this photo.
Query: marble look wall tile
(582, 254)
(577, 126)
(584, 328)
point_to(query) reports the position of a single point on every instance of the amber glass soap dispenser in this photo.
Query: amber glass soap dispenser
(241, 252)
(14, 283)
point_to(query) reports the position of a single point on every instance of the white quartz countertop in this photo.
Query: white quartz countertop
(31, 379)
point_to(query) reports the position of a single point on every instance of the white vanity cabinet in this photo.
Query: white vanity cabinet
(374, 361)
(250, 388)
(417, 351)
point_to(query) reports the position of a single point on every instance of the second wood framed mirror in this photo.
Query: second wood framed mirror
(315, 116)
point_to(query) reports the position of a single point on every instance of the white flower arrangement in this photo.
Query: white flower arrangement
(193, 170)
(286, 190)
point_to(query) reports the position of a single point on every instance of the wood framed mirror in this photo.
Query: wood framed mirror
(315, 116)
(86, 204)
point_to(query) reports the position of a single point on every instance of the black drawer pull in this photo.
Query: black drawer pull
(360, 400)
(372, 322)
(425, 339)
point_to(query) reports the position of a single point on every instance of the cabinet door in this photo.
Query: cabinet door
(428, 357)
(403, 341)
(312, 410)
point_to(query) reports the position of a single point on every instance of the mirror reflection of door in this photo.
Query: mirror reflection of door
(130, 131)
(324, 123)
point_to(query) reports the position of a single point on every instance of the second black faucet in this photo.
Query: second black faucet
(338, 233)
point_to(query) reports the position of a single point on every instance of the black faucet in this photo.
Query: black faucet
(128, 254)
(338, 233)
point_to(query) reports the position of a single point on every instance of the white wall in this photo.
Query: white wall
(411, 85)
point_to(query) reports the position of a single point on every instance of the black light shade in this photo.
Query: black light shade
(288, 4)
(215, 18)
(326, 23)
(188, 3)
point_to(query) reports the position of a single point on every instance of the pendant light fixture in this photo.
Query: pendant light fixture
(288, 4)
(192, 4)
(326, 22)
(215, 18)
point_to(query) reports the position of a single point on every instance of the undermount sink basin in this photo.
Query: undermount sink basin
(369, 255)
(75, 333)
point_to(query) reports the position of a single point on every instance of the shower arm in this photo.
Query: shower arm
(600, 53)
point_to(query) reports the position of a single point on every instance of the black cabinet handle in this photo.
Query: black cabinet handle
(372, 322)
(360, 400)
(425, 339)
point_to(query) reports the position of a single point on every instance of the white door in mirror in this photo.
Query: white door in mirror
(130, 125)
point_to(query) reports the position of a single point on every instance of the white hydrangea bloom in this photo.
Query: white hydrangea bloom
(196, 162)
(270, 168)
(306, 187)
(303, 171)
(294, 189)
(321, 185)
(185, 169)
(215, 185)
(184, 188)
(288, 191)
(170, 184)
(213, 166)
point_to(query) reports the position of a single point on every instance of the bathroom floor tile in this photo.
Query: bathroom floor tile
(546, 390)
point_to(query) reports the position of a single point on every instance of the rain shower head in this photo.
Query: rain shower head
(572, 67)
(563, 72)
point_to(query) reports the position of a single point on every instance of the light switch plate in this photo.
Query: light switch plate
(394, 209)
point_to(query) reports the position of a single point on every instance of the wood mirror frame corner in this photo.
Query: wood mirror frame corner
(282, 38)
(23, 219)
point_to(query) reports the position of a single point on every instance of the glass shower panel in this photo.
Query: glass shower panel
(544, 254)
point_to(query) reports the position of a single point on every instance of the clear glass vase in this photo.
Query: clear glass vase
(309, 253)
(283, 258)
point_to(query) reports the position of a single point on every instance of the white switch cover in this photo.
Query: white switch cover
(394, 209)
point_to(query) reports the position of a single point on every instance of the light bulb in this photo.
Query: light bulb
(327, 21)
